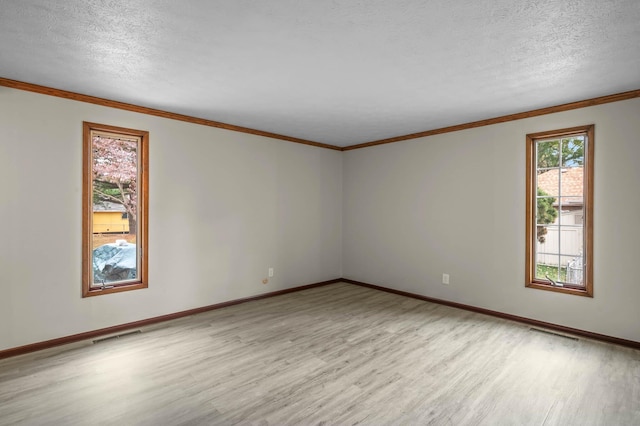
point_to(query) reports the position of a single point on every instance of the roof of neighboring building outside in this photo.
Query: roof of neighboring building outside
(106, 206)
(572, 184)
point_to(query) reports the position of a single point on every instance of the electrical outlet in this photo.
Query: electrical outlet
(270, 272)
(445, 278)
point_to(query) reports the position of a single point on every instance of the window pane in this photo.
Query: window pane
(546, 271)
(548, 182)
(571, 241)
(115, 176)
(546, 211)
(548, 154)
(572, 187)
(571, 271)
(547, 252)
(573, 151)
(572, 213)
(548, 240)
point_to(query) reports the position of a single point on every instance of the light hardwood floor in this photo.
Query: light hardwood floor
(338, 354)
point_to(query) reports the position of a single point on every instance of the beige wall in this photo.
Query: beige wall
(397, 215)
(455, 203)
(237, 204)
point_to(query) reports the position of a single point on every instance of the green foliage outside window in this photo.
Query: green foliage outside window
(547, 213)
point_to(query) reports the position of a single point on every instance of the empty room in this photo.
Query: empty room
(306, 212)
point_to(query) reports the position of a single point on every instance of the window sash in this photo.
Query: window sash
(560, 203)
(89, 288)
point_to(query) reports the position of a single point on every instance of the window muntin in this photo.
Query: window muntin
(115, 209)
(560, 210)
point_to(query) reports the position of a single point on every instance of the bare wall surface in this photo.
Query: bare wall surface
(455, 203)
(224, 207)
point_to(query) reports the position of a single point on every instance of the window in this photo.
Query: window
(115, 192)
(560, 211)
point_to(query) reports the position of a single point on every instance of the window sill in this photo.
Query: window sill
(543, 285)
(97, 291)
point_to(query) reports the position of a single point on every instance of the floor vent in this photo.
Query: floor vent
(128, 333)
(539, 330)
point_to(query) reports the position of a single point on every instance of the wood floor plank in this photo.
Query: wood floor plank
(338, 354)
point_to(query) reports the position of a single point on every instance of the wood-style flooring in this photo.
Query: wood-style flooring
(338, 354)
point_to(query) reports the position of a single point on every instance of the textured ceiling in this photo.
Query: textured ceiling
(340, 72)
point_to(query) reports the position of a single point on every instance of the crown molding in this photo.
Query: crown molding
(210, 123)
(29, 87)
(504, 118)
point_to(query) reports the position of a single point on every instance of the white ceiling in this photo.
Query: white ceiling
(340, 72)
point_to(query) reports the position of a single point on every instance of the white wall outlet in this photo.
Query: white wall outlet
(270, 272)
(445, 278)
